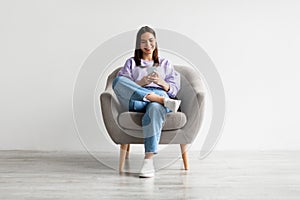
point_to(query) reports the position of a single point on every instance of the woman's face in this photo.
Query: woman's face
(148, 43)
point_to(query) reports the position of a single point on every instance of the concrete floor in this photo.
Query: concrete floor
(223, 175)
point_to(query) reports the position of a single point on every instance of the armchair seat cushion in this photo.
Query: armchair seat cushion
(133, 121)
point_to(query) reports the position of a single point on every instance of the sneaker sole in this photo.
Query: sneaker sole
(146, 176)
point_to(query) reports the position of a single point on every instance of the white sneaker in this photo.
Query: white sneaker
(147, 170)
(172, 104)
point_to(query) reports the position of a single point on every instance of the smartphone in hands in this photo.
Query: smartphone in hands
(150, 70)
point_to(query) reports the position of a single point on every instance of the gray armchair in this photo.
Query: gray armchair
(124, 127)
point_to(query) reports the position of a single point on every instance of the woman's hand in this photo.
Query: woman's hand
(144, 81)
(155, 78)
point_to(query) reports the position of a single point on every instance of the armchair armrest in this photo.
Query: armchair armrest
(109, 103)
(192, 92)
(192, 95)
(193, 105)
(111, 109)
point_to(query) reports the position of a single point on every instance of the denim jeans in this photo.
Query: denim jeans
(132, 97)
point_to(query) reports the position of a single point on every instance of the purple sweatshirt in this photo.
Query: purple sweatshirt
(165, 69)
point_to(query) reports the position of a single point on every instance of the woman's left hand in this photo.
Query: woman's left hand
(155, 78)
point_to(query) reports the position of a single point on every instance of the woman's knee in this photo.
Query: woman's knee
(116, 80)
(122, 80)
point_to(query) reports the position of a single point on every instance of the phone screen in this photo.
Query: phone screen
(150, 70)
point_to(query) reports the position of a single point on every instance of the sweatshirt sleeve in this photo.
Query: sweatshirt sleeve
(126, 70)
(173, 79)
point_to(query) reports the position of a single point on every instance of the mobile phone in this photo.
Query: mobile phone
(150, 70)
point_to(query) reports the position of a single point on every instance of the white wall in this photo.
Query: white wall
(255, 46)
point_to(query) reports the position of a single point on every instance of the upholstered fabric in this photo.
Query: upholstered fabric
(133, 121)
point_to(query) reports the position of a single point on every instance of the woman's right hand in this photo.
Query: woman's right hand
(144, 81)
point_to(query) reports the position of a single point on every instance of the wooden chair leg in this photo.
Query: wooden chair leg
(123, 152)
(184, 156)
(127, 152)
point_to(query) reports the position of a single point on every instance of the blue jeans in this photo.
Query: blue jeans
(132, 97)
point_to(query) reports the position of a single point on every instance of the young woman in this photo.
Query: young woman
(147, 83)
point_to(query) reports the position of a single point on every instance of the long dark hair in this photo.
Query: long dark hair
(138, 53)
